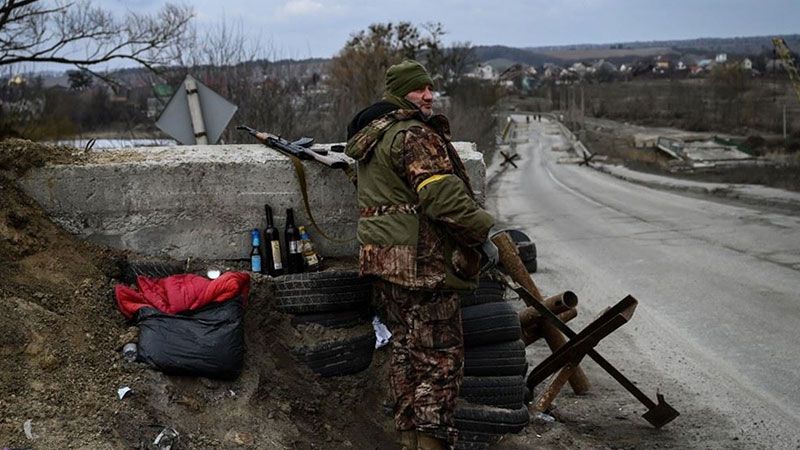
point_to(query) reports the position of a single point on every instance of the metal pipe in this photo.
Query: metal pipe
(533, 332)
(557, 304)
(555, 340)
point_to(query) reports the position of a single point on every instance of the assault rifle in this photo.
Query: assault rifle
(300, 148)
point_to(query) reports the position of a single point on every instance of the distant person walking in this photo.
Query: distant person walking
(420, 231)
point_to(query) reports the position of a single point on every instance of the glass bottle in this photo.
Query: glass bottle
(255, 251)
(294, 259)
(273, 261)
(310, 256)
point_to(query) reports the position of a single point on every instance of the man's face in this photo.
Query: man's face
(423, 98)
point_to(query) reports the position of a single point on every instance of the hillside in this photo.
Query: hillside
(631, 51)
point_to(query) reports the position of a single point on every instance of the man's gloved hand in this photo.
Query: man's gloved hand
(489, 256)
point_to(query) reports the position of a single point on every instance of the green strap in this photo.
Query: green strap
(301, 177)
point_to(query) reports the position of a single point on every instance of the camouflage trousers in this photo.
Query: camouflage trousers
(426, 368)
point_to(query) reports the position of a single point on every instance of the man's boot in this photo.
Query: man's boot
(427, 442)
(408, 440)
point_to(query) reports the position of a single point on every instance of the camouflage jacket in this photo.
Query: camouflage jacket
(419, 223)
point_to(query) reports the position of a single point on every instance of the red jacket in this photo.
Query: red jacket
(179, 293)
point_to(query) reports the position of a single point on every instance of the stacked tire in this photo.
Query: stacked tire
(526, 248)
(492, 397)
(332, 300)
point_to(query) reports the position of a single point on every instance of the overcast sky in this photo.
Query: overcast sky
(319, 28)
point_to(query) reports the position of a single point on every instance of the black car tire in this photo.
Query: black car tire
(490, 420)
(488, 291)
(336, 358)
(300, 304)
(338, 319)
(502, 392)
(504, 358)
(490, 323)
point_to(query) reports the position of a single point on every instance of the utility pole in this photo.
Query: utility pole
(784, 123)
(583, 117)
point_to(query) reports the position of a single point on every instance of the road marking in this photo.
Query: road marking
(573, 191)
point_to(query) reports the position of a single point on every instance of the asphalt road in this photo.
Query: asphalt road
(718, 285)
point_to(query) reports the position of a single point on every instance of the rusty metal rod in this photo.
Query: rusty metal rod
(533, 332)
(555, 340)
(554, 388)
(509, 256)
(557, 303)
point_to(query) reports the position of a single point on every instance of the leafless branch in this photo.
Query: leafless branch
(81, 34)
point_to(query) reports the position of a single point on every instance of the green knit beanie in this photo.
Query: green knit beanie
(405, 77)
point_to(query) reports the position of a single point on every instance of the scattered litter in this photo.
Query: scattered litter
(129, 352)
(382, 334)
(28, 428)
(121, 392)
(166, 439)
(213, 274)
(233, 394)
(544, 417)
(242, 438)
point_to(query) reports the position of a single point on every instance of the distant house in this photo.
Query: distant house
(578, 68)
(680, 66)
(704, 63)
(604, 66)
(17, 80)
(483, 72)
(662, 64)
(551, 70)
(528, 83)
(721, 58)
(747, 64)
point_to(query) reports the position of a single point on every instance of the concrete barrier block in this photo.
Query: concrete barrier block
(200, 201)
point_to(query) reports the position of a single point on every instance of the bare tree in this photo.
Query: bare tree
(279, 97)
(81, 34)
(356, 74)
(356, 78)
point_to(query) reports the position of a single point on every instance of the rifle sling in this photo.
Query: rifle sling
(301, 178)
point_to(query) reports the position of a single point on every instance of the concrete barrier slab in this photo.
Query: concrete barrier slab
(199, 201)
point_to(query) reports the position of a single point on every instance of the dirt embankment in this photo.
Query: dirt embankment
(60, 365)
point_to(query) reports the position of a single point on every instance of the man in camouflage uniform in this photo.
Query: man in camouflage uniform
(420, 229)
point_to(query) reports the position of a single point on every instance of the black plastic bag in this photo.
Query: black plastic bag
(207, 342)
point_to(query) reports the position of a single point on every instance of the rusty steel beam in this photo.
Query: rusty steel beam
(555, 340)
(552, 390)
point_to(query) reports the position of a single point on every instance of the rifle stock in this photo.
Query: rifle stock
(293, 149)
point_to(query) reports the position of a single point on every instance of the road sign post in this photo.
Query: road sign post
(196, 114)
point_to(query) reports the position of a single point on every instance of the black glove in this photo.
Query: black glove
(489, 256)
